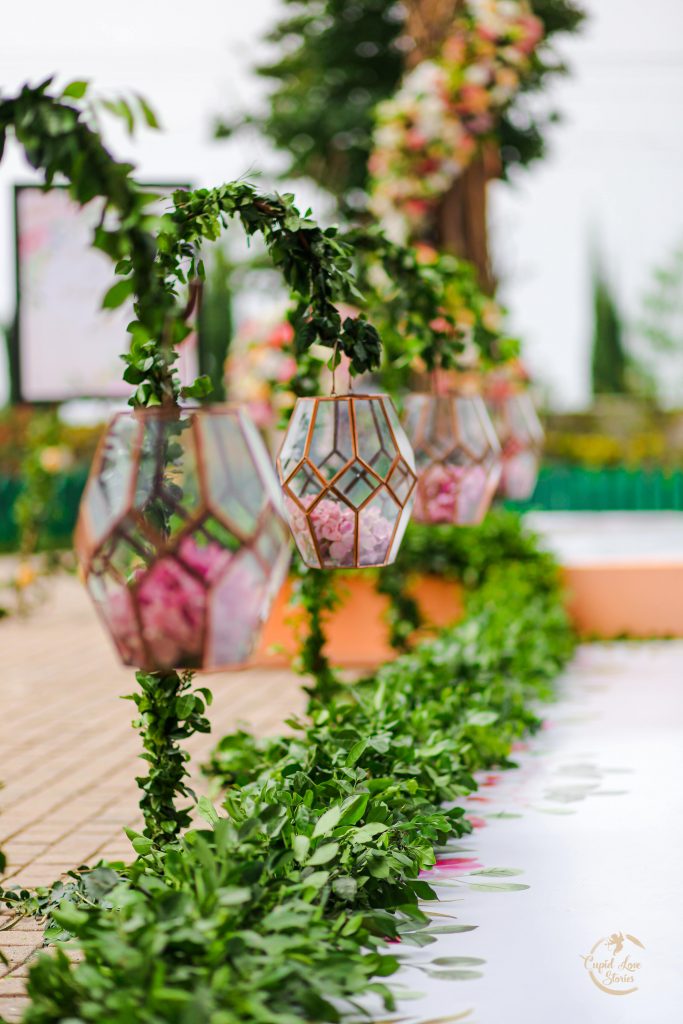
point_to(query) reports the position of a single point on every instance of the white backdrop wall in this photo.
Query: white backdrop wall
(613, 171)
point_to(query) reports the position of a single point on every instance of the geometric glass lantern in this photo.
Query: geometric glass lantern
(521, 437)
(348, 475)
(180, 537)
(457, 457)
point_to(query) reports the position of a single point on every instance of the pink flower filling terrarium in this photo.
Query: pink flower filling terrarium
(521, 437)
(348, 476)
(457, 456)
(181, 538)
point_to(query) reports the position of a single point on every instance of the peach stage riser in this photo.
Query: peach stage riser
(604, 601)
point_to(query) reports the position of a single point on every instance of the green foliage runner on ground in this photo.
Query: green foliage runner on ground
(279, 910)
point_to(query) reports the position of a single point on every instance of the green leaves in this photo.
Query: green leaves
(76, 90)
(158, 255)
(326, 822)
(201, 388)
(169, 712)
(323, 854)
(279, 910)
(118, 293)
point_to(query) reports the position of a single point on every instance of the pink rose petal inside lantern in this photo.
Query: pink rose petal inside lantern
(172, 610)
(450, 494)
(334, 525)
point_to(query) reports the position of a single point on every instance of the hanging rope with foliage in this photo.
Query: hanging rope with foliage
(155, 257)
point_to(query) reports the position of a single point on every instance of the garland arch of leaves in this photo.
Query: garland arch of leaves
(155, 256)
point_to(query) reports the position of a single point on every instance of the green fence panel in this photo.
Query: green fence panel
(614, 489)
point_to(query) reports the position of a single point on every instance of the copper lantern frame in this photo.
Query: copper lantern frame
(520, 434)
(127, 523)
(397, 478)
(443, 440)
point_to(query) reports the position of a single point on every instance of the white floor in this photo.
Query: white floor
(592, 823)
(581, 538)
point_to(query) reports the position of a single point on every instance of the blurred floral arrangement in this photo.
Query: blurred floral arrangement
(429, 132)
(38, 449)
(72, 445)
(260, 365)
(427, 305)
(333, 63)
(430, 310)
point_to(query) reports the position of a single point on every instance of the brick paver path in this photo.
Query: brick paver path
(68, 754)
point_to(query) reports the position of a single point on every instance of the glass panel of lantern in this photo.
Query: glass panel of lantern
(348, 476)
(181, 537)
(521, 437)
(457, 457)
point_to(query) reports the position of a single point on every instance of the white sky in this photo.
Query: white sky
(613, 170)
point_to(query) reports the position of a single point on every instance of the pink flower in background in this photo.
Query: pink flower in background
(428, 133)
(282, 334)
(474, 821)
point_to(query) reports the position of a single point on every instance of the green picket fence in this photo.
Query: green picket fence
(565, 488)
(560, 488)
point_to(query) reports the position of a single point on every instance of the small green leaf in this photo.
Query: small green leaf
(117, 294)
(455, 975)
(148, 114)
(356, 751)
(326, 822)
(498, 872)
(207, 810)
(201, 387)
(458, 961)
(301, 846)
(452, 929)
(354, 809)
(324, 854)
(345, 887)
(76, 90)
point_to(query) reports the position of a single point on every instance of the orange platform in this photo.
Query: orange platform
(604, 601)
(637, 600)
(357, 629)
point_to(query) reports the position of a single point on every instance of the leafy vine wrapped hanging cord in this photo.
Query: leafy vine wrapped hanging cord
(152, 254)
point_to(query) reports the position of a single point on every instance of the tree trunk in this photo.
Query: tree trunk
(461, 221)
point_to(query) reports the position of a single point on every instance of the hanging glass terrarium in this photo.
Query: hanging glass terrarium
(348, 476)
(457, 456)
(180, 537)
(521, 438)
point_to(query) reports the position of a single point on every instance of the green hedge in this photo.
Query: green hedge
(63, 515)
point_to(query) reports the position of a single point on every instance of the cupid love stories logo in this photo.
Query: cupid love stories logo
(614, 962)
